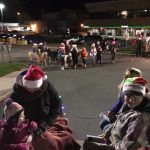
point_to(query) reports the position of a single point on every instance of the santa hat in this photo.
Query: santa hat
(93, 45)
(34, 77)
(11, 108)
(135, 85)
(62, 45)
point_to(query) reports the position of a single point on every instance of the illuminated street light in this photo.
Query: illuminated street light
(2, 6)
(34, 27)
(18, 13)
(82, 25)
(124, 14)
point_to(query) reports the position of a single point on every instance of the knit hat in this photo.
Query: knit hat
(132, 72)
(11, 108)
(34, 77)
(135, 85)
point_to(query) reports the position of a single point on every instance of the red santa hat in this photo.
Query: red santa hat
(34, 77)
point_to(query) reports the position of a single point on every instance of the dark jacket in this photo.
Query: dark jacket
(41, 106)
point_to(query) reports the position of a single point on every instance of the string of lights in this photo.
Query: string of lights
(65, 110)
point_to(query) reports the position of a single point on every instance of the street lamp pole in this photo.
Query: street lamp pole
(2, 6)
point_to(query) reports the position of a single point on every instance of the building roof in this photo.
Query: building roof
(118, 5)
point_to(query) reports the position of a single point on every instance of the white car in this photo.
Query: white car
(73, 39)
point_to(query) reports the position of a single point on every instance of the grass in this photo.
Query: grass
(128, 50)
(6, 68)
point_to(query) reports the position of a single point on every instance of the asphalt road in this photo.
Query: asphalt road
(87, 92)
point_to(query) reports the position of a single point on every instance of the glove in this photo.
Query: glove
(111, 116)
(42, 127)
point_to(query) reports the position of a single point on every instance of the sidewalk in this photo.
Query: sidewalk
(6, 83)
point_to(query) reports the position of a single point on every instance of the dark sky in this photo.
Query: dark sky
(34, 7)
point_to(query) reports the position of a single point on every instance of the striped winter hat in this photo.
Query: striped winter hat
(11, 108)
(135, 85)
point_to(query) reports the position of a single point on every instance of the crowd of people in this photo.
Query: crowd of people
(33, 118)
(141, 46)
(68, 53)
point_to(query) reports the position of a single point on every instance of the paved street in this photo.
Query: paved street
(87, 92)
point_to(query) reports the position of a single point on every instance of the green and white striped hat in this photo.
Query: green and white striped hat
(135, 85)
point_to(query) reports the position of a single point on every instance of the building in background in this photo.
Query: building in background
(61, 21)
(119, 18)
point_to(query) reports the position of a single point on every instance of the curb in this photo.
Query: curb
(4, 95)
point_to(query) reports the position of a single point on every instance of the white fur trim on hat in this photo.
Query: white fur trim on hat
(135, 87)
(32, 84)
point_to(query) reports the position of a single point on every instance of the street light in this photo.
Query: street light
(2, 6)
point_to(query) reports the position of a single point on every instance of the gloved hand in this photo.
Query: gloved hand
(111, 115)
(42, 127)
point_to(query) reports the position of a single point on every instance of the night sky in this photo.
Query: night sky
(34, 7)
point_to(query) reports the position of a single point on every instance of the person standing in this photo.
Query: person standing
(62, 55)
(139, 47)
(99, 53)
(113, 50)
(84, 55)
(74, 52)
(93, 53)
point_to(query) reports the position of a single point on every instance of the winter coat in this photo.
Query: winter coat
(41, 106)
(13, 136)
(132, 128)
(84, 53)
(45, 107)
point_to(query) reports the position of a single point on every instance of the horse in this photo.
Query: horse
(39, 57)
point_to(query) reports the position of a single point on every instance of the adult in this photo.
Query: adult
(113, 50)
(93, 53)
(62, 55)
(117, 106)
(134, 41)
(99, 52)
(75, 54)
(139, 45)
(42, 104)
(131, 129)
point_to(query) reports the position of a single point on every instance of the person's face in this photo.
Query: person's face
(133, 100)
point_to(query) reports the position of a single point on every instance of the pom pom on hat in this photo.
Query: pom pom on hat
(11, 108)
(34, 77)
(134, 85)
(133, 72)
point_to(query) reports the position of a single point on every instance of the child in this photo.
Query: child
(15, 131)
(84, 55)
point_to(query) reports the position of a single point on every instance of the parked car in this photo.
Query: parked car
(35, 39)
(89, 39)
(72, 38)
